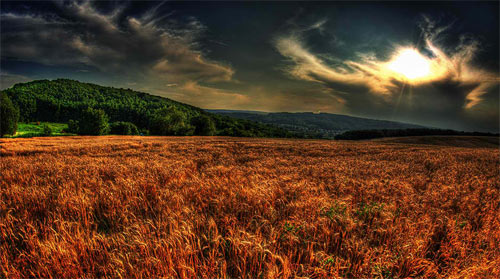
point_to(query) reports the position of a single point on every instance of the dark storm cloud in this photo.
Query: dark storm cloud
(141, 46)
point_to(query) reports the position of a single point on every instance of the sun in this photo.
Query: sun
(411, 64)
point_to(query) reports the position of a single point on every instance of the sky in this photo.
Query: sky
(428, 63)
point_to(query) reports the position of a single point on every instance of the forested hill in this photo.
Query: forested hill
(319, 125)
(63, 100)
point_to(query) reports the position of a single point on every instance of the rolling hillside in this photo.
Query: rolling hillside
(318, 125)
(62, 100)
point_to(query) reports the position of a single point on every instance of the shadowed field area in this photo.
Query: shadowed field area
(212, 207)
(456, 141)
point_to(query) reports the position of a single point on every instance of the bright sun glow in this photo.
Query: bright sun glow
(411, 64)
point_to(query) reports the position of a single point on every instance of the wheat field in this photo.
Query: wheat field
(211, 207)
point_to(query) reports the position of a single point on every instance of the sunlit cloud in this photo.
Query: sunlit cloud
(407, 66)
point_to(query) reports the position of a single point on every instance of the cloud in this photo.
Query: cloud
(139, 46)
(457, 66)
(295, 100)
(380, 78)
(203, 96)
(308, 66)
(473, 98)
(192, 67)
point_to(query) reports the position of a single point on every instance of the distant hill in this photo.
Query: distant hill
(62, 100)
(222, 111)
(317, 125)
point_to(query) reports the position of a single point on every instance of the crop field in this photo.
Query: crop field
(214, 207)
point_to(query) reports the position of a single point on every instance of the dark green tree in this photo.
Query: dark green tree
(73, 126)
(204, 125)
(47, 130)
(170, 122)
(93, 122)
(9, 116)
(123, 128)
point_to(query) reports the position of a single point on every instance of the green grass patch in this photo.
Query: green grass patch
(37, 129)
